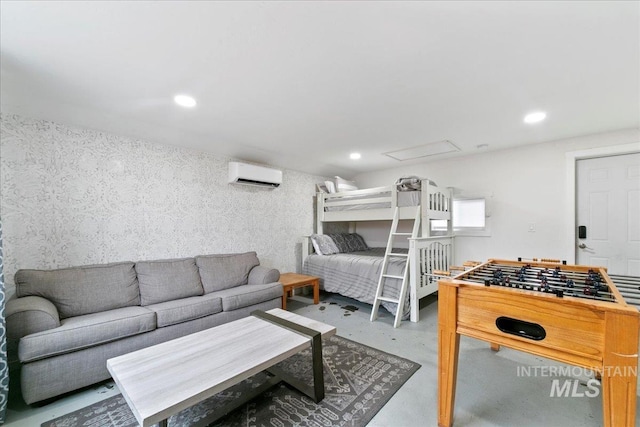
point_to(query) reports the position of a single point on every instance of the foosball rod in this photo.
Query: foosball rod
(532, 273)
(530, 276)
(569, 292)
(536, 282)
(578, 275)
(632, 297)
(631, 279)
(629, 291)
(576, 291)
(626, 286)
(628, 283)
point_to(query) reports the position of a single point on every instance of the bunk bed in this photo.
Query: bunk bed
(355, 274)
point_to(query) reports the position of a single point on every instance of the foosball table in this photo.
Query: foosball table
(569, 313)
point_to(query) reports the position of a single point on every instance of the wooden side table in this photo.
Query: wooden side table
(291, 281)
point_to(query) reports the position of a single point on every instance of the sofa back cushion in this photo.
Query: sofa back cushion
(82, 290)
(167, 280)
(225, 271)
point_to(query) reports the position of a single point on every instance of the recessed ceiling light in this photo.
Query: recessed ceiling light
(185, 101)
(536, 117)
(354, 156)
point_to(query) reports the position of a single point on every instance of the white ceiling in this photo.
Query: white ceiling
(302, 84)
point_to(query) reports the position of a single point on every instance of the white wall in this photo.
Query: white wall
(523, 186)
(74, 196)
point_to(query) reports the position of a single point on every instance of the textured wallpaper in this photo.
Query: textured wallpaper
(74, 196)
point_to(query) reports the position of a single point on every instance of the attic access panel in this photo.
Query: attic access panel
(431, 149)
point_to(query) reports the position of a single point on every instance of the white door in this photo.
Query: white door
(608, 207)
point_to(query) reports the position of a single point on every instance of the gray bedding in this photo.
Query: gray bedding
(355, 275)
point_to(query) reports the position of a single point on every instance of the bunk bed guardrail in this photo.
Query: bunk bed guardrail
(360, 205)
(432, 254)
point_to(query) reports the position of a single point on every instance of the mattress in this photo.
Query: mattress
(355, 275)
(405, 198)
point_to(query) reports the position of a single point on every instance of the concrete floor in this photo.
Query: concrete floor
(490, 391)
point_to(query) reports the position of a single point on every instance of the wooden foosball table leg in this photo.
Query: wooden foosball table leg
(620, 370)
(448, 346)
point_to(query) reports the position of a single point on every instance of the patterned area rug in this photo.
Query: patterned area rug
(359, 380)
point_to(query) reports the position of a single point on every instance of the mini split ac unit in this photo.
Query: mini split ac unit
(244, 173)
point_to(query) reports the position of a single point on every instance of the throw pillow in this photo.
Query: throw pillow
(362, 245)
(324, 244)
(351, 242)
(341, 242)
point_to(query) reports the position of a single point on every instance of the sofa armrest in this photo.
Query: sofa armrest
(260, 275)
(28, 315)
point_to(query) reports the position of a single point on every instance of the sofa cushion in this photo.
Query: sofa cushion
(167, 280)
(80, 332)
(82, 290)
(185, 309)
(260, 275)
(220, 272)
(29, 315)
(244, 296)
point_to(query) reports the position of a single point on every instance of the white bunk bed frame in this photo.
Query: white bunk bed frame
(426, 253)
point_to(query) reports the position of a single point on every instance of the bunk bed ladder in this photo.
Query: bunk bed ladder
(385, 263)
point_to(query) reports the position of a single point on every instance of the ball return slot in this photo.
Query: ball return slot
(529, 330)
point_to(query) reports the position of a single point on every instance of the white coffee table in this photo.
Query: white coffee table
(164, 379)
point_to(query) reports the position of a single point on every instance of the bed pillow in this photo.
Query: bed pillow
(351, 242)
(331, 187)
(323, 244)
(340, 242)
(344, 185)
(409, 183)
(362, 246)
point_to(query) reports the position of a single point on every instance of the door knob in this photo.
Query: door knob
(582, 246)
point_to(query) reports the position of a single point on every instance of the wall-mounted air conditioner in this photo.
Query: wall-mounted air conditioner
(244, 173)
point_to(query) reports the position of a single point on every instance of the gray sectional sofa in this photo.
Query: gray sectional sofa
(63, 325)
